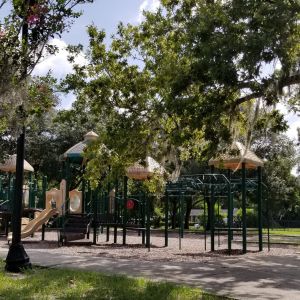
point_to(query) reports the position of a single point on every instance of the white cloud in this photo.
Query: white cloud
(293, 121)
(59, 66)
(58, 63)
(292, 132)
(147, 5)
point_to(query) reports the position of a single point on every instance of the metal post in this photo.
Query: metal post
(115, 213)
(148, 223)
(43, 231)
(44, 187)
(17, 258)
(94, 199)
(125, 181)
(35, 192)
(218, 222)
(30, 191)
(229, 213)
(212, 218)
(181, 215)
(9, 192)
(205, 221)
(83, 193)
(244, 211)
(259, 208)
(68, 179)
(143, 219)
(268, 220)
(166, 219)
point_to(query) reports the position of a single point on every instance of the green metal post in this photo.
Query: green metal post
(10, 188)
(68, 179)
(166, 219)
(94, 195)
(259, 207)
(83, 193)
(124, 208)
(212, 213)
(148, 223)
(218, 222)
(115, 212)
(268, 219)
(143, 219)
(88, 205)
(44, 187)
(35, 191)
(181, 215)
(244, 212)
(212, 218)
(11, 192)
(30, 191)
(107, 212)
(205, 221)
(1, 189)
(229, 213)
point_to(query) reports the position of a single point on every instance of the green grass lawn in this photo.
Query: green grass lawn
(69, 284)
(284, 231)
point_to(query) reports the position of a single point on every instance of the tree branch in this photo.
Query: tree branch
(283, 82)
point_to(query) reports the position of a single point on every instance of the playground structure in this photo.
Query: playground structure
(107, 206)
(36, 223)
(33, 191)
(111, 207)
(213, 186)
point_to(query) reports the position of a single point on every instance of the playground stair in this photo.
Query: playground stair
(75, 228)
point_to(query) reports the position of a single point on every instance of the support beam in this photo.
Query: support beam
(125, 182)
(212, 212)
(244, 211)
(116, 212)
(95, 221)
(44, 190)
(212, 218)
(259, 208)
(148, 223)
(229, 213)
(166, 220)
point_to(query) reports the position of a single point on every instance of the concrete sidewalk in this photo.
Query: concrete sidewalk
(261, 277)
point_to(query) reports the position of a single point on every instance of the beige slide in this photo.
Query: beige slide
(36, 223)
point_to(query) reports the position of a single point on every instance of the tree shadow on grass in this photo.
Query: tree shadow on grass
(67, 284)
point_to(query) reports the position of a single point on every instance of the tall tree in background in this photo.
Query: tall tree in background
(178, 81)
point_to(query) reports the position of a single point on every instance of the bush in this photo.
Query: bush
(251, 217)
(157, 216)
(219, 218)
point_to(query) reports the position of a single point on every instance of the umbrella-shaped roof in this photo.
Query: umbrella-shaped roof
(77, 150)
(10, 165)
(141, 172)
(234, 158)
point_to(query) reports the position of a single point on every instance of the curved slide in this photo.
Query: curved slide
(36, 223)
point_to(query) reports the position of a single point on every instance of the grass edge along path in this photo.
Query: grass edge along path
(46, 283)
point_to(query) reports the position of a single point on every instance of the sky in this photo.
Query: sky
(106, 14)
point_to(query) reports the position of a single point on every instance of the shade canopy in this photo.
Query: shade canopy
(75, 152)
(138, 171)
(235, 156)
(11, 163)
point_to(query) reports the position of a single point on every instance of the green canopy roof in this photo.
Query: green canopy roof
(75, 152)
